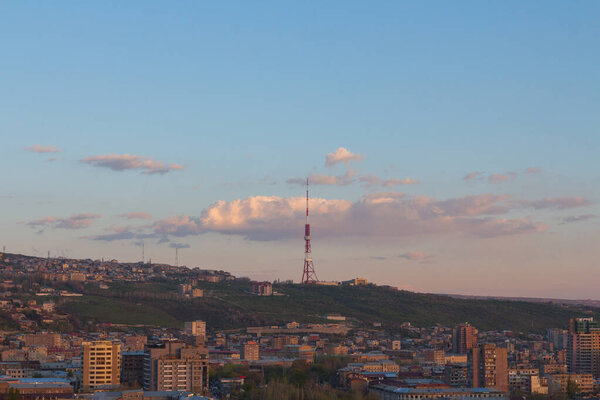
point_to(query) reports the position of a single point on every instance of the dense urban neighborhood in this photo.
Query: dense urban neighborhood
(71, 330)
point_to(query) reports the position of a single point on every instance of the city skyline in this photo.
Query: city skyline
(449, 150)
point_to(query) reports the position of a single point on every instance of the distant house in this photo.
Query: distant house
(355, 282)
(262, 288)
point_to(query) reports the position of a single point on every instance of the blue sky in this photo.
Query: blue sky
(245, 97)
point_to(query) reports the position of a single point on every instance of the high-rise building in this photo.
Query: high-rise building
(101, 364)
(558, 338)
(464, 338)
(489, 367)
(583, 325)
(175, 365)
(251, 351)
(583, 347)
(132, 368)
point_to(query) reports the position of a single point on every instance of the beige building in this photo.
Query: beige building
(520, 378)
(557, 383)
(42, 339)
(251, 351)
(101, 364)
(538, 384)
(456, 359)
(583, 352)
(176, 366)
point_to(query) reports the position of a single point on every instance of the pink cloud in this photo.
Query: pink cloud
(398, 182)
(37, 148)
(482, 204)
(123, 162)
(136, 215)
(533, 170)
(415, 256)
(472, 175)
(341, 155)
(499, 178)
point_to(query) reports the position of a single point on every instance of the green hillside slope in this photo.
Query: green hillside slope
(230, 306)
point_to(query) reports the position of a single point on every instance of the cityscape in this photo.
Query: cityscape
(346, 200)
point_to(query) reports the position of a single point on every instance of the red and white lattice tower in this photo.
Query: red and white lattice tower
(308, 275)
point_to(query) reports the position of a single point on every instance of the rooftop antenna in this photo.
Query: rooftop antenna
(142, 251)
(308, 274)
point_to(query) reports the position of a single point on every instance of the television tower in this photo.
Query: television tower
(308, 275)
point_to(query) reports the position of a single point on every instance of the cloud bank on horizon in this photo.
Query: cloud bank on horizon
(386, 214)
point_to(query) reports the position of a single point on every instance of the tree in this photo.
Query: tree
(13, 394)
(572, 388)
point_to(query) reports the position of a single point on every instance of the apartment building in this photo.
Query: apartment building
(101, 364)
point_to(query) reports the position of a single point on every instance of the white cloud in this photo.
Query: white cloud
(380, 214)
(341, 155)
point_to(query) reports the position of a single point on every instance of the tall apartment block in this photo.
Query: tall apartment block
(489, 367)
(558, 338)
(251, 351)
(175, 365)
(101, 364)
(464, 338)
(583, 347)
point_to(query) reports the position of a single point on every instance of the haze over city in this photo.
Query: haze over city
(450, 147)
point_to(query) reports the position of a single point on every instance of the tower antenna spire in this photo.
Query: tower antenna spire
(308, 275)
(307, 202)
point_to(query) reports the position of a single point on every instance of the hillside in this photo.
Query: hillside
(230, 306)
(145, 294)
